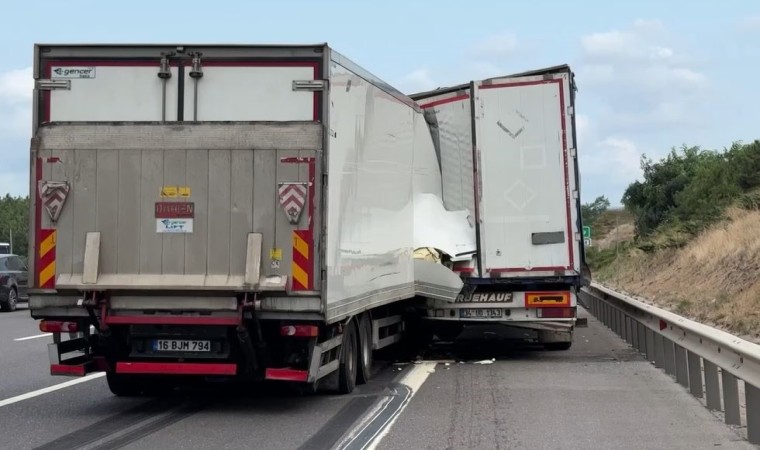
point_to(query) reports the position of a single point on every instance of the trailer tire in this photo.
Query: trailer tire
(365, 350)
(558, 346)
(122, 385)
(348, 360)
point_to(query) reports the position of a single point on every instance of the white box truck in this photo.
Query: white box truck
(507, 148)
(239, 211)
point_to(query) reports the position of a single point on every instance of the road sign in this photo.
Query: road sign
(586, 232)
(586, 242)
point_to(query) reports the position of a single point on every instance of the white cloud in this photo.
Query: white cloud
(418, 80)
(16, 103)
(749, 24)
(16, 86)
(495, 47)
(641, 78)
(15, 129)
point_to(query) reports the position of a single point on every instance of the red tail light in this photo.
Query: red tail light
(49, 326)
(299, 330)
(555, 313)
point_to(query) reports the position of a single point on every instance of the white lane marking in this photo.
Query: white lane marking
(33, 337)
(413, 380)
(37, 393)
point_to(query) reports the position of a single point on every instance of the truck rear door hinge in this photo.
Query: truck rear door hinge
(309, 85)
(570, 110)
(572, 152)
(49, 85)
(575, 194)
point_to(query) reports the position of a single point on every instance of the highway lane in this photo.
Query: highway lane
(24, 365)
(599, 394)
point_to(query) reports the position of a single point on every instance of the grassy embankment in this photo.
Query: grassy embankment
(688, 239)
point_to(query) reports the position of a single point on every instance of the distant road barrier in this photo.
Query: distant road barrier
(707, 361)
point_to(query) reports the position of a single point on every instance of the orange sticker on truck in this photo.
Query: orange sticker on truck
(546, 299)
(46, 268)
(302, 267)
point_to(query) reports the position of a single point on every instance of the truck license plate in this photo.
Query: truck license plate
(480, 313)
(172, 345)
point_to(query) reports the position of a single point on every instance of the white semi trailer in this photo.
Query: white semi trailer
(239, 211)
(508, 154)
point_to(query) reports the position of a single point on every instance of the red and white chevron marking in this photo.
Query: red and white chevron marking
(53, 195)
(293, 199)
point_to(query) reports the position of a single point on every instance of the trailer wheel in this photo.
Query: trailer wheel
(348, 360)
(365, 349)
(122, 386)
(558, 346)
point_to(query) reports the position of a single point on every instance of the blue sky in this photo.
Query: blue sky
(651, 75)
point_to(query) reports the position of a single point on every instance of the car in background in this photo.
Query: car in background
(5, 248)
(14, 282)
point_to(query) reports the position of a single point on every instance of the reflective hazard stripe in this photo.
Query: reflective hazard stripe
(46, 268)
(302, 266)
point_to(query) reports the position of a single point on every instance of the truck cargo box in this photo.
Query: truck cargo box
(203, 173)
(507, 149)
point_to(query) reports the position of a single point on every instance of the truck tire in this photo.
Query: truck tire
(558, 346)
(365, 350)
(348, 360)
(10, 304)
(122, 386)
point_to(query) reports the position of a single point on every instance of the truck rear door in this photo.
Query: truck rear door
(527, 187)
(174, 163)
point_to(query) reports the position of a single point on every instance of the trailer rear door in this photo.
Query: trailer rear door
(527, 176)
(162, 172)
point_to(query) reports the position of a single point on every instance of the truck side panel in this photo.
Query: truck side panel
(370, 210)
(451, 123)
(527, 178)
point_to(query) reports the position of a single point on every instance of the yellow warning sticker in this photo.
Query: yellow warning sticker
(275, 254)
(176, 191)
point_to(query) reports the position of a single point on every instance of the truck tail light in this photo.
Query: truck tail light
(54, 326)
(299, 330)
(555, 313)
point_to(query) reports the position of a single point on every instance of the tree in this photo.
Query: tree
(591, 211)
(14, 218)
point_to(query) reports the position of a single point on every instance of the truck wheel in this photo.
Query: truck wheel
(365, 349)
(558, 346)
(10, 304)
(348, 360)
(122, 386)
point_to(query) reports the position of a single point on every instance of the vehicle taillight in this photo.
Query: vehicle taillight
(299, 330)
(54, 326)
(555, 313)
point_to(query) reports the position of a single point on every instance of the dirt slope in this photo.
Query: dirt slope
(714, 279)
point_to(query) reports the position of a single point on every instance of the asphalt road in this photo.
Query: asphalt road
(599, 394)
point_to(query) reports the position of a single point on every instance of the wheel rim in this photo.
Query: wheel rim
(350, 362)
(365, 350)
(12, 298)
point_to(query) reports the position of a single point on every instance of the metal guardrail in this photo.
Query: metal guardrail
(706, 361)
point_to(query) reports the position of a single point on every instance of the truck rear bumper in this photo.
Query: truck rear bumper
(164, 368)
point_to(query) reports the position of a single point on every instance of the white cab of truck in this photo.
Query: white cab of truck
(248, 211)
(508, 154)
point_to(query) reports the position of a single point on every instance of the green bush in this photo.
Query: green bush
(689, 189)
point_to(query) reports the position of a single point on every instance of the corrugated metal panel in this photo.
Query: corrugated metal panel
(114, 191)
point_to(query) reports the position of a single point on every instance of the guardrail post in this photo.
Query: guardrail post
(752, 395)
(731, 398)
(650, 345)
(670, 357)
(642, 333)
(695, 375)
(619, 323)
(682, 376)
(712, 386)
(627, 325)
(659, 351)
(634, 333)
